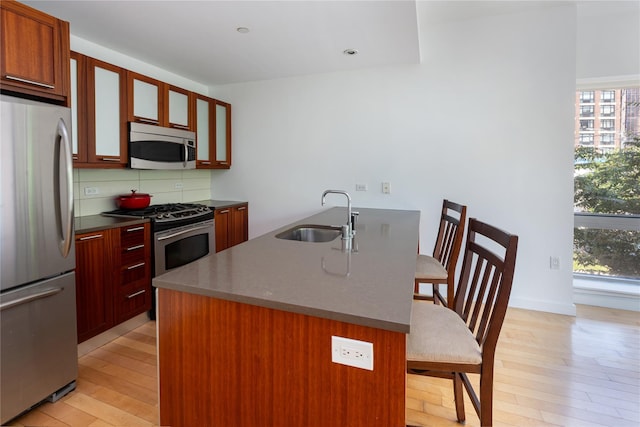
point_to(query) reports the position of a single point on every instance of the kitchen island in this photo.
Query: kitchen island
(245, 335)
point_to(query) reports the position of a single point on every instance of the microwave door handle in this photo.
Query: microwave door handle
(186, 153)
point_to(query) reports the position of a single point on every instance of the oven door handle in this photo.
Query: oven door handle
(179, 233)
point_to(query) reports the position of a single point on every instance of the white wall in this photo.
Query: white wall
(608, 40)
(486, 120)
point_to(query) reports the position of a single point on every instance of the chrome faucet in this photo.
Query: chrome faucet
(347, 229)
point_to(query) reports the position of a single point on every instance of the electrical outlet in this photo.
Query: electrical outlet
(554, 263)
(91, 191)
(386, 188)
(346, 351)
(361, 187)
(178, 186)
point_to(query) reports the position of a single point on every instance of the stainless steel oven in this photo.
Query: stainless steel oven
(176, 247)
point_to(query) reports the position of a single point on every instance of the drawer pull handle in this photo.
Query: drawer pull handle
(134, 229)
(224, 211)
(205, 163)
(242, 208)
(131, 267)
(136, 294)
(31, 82)
(133, 248)
(95, 236)
(109, 159)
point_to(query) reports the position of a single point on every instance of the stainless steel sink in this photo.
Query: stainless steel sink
(311, 233)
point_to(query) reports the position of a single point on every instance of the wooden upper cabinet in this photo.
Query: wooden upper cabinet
(145, 100)
(157, 103)
(180, 106)
(213, 133)
(35, 51)
(99, 92)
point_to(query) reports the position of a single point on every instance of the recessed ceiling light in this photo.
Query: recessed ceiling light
(242, 30)
(350, 51)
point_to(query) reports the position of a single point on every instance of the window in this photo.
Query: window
(607, 124)
(607, 110)
(587, 97)
(586, 139)
(586, 110)
(608, 96)
(607, 138)
(606, 208)
(586, 124)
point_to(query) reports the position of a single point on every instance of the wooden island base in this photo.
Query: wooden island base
(223, 363)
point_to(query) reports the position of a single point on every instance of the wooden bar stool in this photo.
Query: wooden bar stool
(453, 343)
(440, 268)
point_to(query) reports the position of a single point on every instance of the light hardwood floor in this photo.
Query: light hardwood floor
(551, 370)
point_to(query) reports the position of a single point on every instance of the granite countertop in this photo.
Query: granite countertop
(371, 285)
(91, 223)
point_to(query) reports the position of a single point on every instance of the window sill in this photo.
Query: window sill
(602, 292)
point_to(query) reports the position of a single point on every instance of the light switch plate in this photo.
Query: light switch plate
(346, 351)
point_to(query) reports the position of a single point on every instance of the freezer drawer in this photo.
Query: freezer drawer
(38, 352)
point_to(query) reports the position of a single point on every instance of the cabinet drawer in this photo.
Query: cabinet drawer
(133, 272)
(132, 301)
(132, 254)
(132, 236)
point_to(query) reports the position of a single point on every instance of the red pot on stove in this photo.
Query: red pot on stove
(133, 200)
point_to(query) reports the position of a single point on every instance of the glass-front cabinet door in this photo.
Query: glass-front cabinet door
(107, 126)
(213, 133)
(223, 134)
(179, 108)
(145, 99)
(98, 113)
(77, 67)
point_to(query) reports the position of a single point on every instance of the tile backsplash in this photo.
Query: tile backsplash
(94, 190)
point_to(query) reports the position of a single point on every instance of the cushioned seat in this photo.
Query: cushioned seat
(429, 268)
(426, 344)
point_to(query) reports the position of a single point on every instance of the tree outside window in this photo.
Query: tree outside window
(607, 185)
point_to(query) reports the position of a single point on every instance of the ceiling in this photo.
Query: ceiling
(199, 40)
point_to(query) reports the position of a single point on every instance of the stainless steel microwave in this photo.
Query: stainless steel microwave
(156, 147)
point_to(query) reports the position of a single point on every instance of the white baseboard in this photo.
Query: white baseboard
(546, 306)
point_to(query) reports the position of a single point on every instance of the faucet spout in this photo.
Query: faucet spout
(347, 231)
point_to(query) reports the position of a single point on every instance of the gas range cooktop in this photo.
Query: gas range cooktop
(163, 213)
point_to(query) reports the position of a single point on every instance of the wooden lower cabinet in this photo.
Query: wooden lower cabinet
(94, 290)
(113, 277)
(133, 293)
(232, 226)
(224, 363)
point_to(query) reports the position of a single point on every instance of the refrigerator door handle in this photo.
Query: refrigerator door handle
(66, 224)
(24, 300)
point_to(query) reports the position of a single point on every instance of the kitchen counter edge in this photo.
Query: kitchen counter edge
(93, 223)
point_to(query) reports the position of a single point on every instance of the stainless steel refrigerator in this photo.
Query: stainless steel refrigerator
(38, 344)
